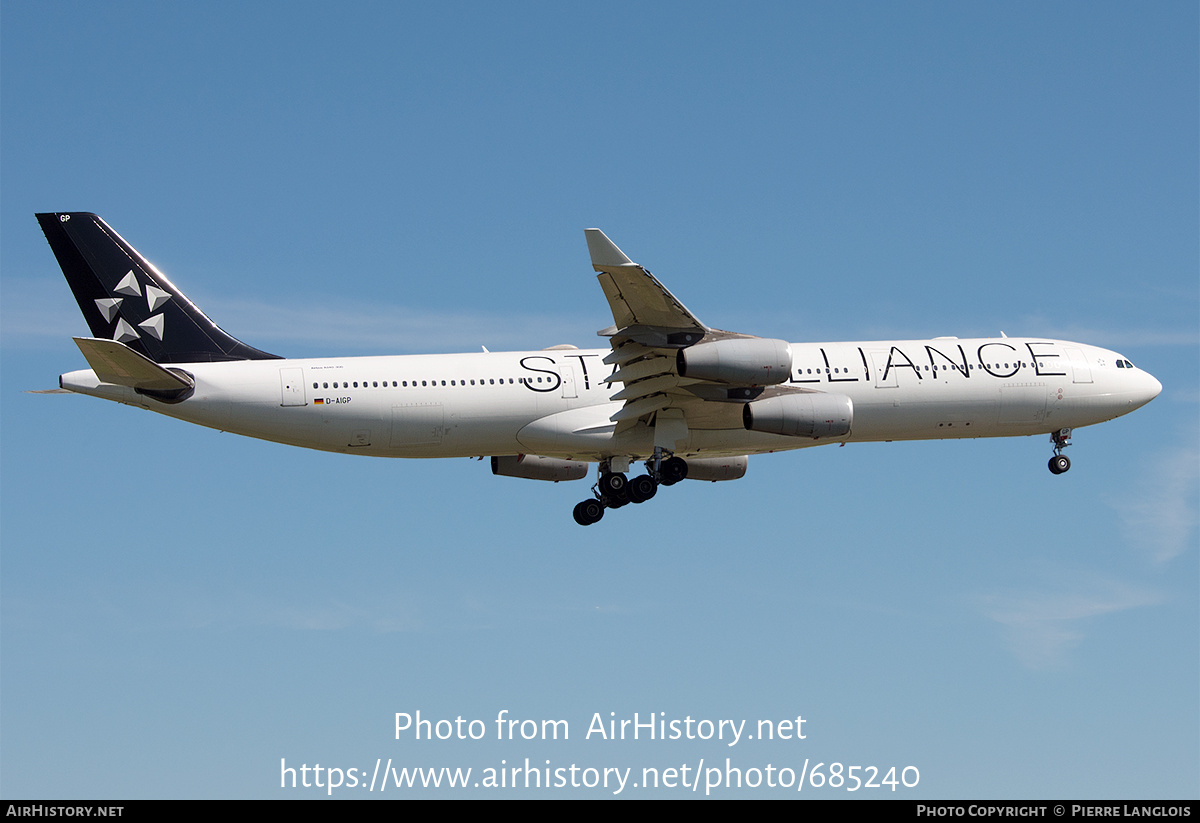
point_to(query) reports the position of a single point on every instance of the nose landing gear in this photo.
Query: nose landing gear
(1059, 463)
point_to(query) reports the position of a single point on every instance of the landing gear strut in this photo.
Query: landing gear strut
(614, 489)
(1059, 463)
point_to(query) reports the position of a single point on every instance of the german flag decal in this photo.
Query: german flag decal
(319, 401)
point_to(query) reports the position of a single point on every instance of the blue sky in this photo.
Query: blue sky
(182, 609)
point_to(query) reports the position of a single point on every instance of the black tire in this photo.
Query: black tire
(673, 470)
(1059, 463)
(612, 483)
(588, 512)
(642, 488)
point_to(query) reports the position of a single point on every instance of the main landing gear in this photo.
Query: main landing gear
(1059, 463)
(614, 490)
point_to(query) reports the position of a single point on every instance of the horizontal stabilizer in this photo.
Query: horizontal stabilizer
(120, 365)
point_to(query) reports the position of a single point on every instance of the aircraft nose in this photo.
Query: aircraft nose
(1149, 389)
(1155, 387)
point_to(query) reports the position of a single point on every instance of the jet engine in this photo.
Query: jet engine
(534, 467)
(800, 415)
(716, 468)
(753, 361)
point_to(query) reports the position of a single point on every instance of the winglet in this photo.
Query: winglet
(604, 252)
(635, 297)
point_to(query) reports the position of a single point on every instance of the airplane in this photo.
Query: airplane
(686, 400)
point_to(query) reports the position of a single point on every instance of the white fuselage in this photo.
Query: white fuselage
(555, 403)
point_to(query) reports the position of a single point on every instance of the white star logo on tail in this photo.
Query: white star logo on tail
(153, 326)
(124, 332)
(155, 297)
(128, 285)
(108, 307)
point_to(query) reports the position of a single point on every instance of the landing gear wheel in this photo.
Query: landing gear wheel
(612, 483)
(588, 512)
(616, 501)
(642, 488)
(1059, 463)
(673, 470)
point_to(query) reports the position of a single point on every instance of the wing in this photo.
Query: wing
(638, 301)
(674, 370)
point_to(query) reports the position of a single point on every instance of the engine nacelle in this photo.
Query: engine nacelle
(717, 468)
(800, 415)
(535, 467)
(753, 361)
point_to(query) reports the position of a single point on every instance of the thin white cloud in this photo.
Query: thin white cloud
(384, 329)
(320, 614)
(1160, 515)
(1114, 338)
(34, 311)
(1041, 627)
